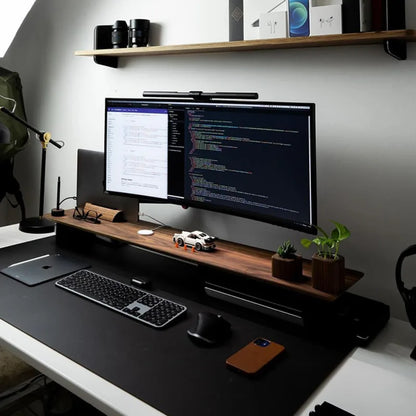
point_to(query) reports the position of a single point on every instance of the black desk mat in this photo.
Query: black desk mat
(162, 367)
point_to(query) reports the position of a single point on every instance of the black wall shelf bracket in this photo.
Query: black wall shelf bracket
(102, 40)
(397, 48)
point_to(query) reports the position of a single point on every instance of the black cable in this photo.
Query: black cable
(141, 214)
(69, 197)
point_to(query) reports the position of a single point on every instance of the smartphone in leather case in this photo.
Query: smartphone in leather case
(254, 356)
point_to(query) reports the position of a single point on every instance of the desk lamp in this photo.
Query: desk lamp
(37, 225)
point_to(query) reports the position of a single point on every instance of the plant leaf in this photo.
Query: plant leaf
(343, 231)
(306, 242)
(317, 241)
(335, 234)
(322, 231)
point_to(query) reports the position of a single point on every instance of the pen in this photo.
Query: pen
(58, 192)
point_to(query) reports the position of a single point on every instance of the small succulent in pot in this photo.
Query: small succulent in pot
(286, 250)
(286, 264)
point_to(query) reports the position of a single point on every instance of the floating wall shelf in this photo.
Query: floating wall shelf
(394, 43)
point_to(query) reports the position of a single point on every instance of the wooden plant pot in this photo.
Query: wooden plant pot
(287, 269)
(328, 275)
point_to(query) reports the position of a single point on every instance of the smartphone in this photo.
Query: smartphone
(299, 18)
(254, 356)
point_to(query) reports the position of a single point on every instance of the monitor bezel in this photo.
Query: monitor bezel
(290, 224)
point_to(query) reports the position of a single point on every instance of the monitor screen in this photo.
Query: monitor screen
(251, 159)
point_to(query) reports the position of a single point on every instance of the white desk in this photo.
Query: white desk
(103, 395)
(378, 380)
(10, 236)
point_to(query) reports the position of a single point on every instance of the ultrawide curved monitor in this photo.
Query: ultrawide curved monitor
(250, 159)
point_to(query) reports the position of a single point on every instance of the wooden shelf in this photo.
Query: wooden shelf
(248, 261)
(365, 38)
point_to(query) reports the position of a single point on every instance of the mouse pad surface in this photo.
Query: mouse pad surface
(144, 361)
(41, 269)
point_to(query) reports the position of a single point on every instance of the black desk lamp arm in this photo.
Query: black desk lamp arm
(37, 224)
(44, 137)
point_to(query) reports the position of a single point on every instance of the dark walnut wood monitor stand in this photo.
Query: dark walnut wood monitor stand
(250, 262)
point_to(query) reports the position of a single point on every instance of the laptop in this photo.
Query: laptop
(90, 186)
(41, 269)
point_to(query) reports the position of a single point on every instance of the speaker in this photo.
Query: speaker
(102, 40)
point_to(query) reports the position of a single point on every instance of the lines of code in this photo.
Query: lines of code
(251, 160)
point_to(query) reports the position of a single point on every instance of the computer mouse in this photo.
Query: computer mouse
(210, 329)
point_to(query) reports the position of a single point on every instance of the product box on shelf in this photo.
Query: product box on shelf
(326, 17)
(298, 17)
(236, 19)
(252, 11)
(356, 16)
(273, 25)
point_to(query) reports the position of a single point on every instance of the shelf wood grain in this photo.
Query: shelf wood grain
(344, 39)
(248, 261)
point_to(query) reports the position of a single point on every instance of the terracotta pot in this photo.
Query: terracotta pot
(328, 274)
(287, 269)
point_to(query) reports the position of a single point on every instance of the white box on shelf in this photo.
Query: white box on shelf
(252, 11)
(326, 20)
(325, 2)
(273, 25)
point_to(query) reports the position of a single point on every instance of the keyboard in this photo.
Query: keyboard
(137, 304)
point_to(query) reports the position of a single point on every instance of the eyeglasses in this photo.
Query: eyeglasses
(90, 216)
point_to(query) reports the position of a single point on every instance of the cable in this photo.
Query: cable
(10, 99)
(141, 214)
(69, 197)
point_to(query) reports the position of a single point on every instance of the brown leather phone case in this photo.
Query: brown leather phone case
(254, 356)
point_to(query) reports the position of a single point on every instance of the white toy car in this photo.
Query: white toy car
(197, 239)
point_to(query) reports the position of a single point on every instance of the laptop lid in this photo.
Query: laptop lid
(41, 269)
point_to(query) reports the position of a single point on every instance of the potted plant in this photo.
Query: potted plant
(328, 267)
(286, 264)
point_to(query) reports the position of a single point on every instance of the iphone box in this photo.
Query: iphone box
(299, 18)
(326, 20)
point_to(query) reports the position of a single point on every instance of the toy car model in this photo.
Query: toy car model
(197, 239)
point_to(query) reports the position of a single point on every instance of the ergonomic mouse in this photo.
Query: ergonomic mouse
(210, 329)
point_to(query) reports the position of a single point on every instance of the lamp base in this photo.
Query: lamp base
(36, 225)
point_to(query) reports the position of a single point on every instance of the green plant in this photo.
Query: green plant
(328, 245)
(286, 250)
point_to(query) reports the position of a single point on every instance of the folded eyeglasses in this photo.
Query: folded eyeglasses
(89, 216)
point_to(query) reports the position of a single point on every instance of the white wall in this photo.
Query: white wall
(365, 118)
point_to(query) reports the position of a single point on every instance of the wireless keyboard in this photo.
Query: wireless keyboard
(135, 303)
